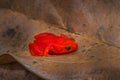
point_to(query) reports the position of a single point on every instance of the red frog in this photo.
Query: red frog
(49, 44)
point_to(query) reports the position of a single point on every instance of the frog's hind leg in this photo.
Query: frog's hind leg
(35, 50)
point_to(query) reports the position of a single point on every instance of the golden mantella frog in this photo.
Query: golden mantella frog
(49, 44)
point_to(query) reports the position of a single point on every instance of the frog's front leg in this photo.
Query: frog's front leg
(46, 51)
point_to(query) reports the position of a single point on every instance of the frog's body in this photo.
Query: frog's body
(49, 44)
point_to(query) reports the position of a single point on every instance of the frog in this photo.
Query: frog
(46, 44)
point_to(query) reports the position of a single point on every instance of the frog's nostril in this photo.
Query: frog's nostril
(68, 47)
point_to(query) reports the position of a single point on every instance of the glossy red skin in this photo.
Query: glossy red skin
(49, 44)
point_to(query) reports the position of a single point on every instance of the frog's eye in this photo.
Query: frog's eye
(68, 47)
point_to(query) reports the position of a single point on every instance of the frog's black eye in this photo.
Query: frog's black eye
(68, 47)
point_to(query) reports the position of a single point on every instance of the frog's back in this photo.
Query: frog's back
(44, 35)
(45, 38)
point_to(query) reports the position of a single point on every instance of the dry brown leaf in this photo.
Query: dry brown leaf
(92, 60)
(93, 24)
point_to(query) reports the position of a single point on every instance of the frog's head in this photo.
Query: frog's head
(64, 45)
